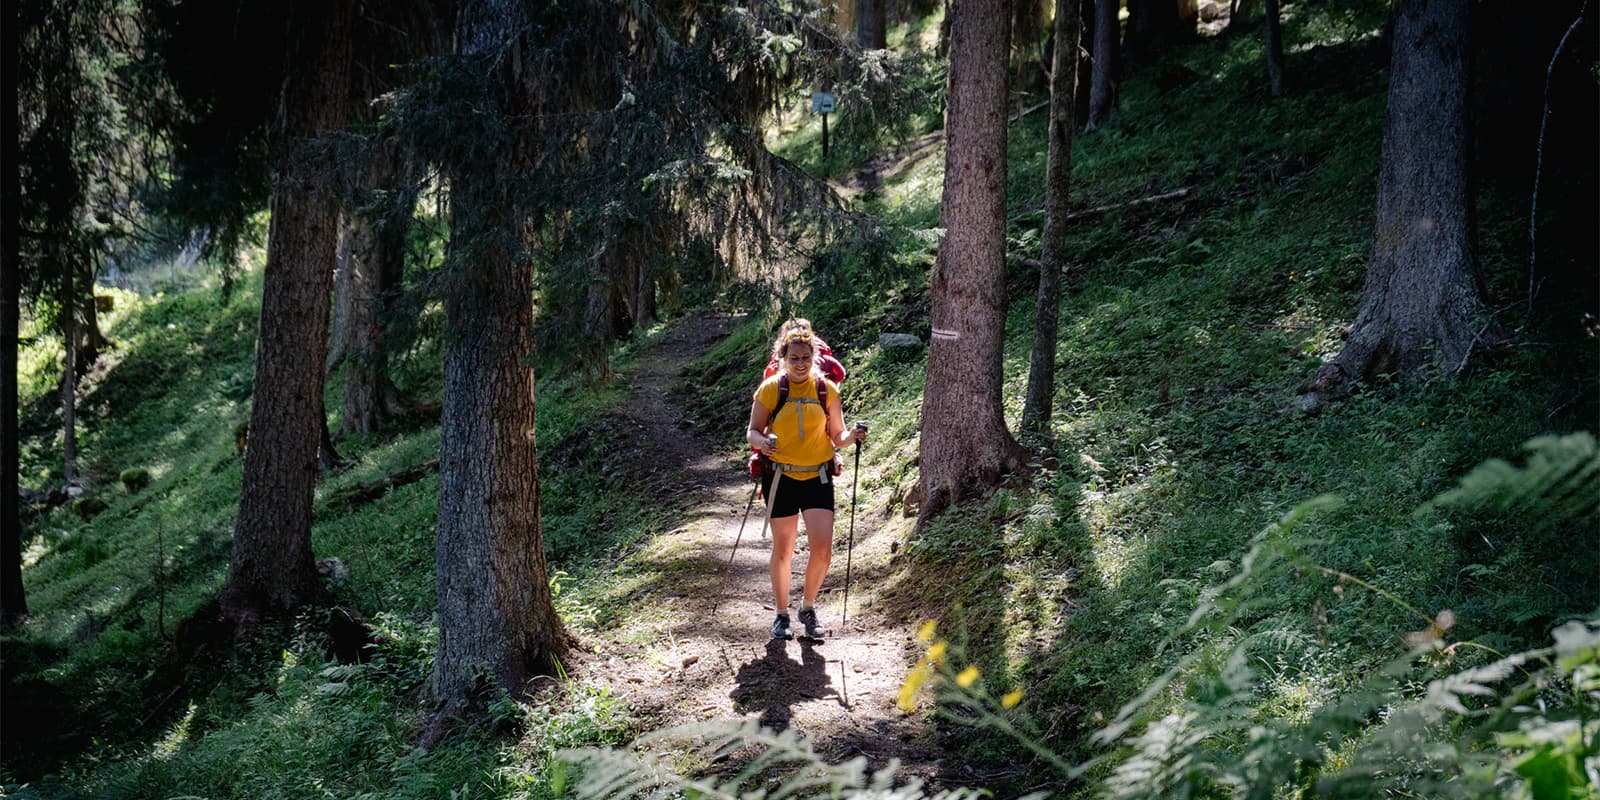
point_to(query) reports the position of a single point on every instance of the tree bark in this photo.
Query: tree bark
(69, 369)
(13, 600)
(497, 624)
(871, 27)
(1421, 300)
(375, 231)
(1274, 46)
(271, 568)
(1036, 409)
(1103, 78)
(965, 444)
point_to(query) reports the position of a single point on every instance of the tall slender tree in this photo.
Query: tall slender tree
(1274, 47)
(1036, 408)
(1103, 75)
(1421, 301)
(271, 568)
(965, 444)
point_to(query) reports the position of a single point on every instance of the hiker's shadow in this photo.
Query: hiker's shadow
(775, 682)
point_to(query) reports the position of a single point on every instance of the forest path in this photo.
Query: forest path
(677, 663)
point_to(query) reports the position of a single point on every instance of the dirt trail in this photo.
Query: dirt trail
(679, 664)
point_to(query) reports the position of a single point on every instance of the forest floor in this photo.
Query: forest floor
(679, 663)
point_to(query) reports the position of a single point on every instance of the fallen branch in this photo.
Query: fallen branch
(1026, 111)
(352, 496)
(1177, 194)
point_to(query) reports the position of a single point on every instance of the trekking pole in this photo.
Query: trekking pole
(850, 546)
(748, 504)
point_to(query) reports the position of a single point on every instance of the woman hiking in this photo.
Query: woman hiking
(799, 436)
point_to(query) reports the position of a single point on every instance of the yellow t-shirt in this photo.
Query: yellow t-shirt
(801, 425)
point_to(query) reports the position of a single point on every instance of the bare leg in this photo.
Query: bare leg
(819, 538)
(784, 531)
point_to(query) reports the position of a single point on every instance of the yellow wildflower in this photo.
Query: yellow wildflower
(925, 633)
(967, 677)
(913, 684)
(936, 652)
(1011, 699)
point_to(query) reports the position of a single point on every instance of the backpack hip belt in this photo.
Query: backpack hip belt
(824, 470)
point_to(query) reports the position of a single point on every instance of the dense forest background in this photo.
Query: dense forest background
(1232, 369)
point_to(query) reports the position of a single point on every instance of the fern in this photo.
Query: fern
(761, 765)
(1527, 724)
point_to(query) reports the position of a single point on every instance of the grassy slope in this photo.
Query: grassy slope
(1194, 322)
(1178, 361)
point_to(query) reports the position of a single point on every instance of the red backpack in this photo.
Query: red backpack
(761, 466)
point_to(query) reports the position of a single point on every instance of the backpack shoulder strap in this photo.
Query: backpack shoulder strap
(783, 397)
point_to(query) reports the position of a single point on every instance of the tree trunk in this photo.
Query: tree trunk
(965, 443)
(1274, 45)
(1103, 78)
(1086, 29)
(271, 567)
(328, 459)
(1036, 408)
(375, 232)
(69, 370)
(1154, 25)
(497, 625)
(1421, 300)
(13, 600)
(339, 322)
(871, 30)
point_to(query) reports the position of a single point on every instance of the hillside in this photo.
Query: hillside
(1188, 556)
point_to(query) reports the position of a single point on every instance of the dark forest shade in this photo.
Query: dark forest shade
(271, 568)
(13, 600)
(965, 443)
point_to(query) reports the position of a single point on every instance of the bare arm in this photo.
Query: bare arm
(836, 430)
(756, 435)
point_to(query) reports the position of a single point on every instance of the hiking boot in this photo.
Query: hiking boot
(780, 627)
(808, 618)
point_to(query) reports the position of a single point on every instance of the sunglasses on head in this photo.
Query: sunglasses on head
(798, 335)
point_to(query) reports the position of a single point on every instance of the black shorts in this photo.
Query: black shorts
(795, 495)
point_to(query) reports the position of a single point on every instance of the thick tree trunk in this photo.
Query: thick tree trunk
(1036, 408)
(1421, 301)
(271, 567)
(1274, 45)
(1103, 78)
(965, 444)
(13, 600)
(497, 625)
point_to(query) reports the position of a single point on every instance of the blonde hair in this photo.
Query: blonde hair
(797, 332)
